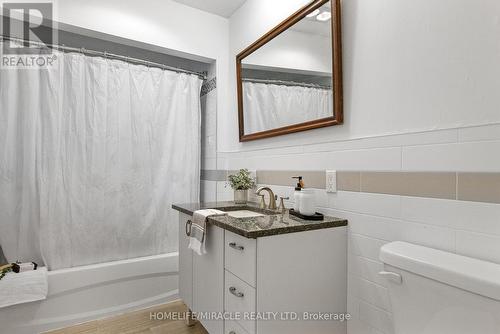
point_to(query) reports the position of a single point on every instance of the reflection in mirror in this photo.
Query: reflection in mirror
(288, 80)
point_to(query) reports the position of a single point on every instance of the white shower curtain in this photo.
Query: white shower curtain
(93, 152)
(270, 106)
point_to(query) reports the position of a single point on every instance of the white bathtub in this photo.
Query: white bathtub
(91, 292)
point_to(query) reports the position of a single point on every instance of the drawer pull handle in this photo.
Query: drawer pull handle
(188, 228)
(235, 246)
(236, 292)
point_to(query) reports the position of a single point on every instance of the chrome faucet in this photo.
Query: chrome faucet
(272, 198)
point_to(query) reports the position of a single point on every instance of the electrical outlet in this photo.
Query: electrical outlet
(331, 181)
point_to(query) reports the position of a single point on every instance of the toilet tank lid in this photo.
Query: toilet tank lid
(480, 277)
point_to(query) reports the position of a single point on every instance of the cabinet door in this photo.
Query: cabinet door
(185, 263)
(208, 279)
(302, 272)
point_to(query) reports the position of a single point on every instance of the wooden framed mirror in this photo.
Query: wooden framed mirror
(290, 79)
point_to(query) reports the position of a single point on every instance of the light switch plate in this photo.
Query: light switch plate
(331, 181)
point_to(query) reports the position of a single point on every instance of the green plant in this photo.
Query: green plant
(242, 180)
(4, 272)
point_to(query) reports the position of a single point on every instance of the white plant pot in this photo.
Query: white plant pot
(240, 196)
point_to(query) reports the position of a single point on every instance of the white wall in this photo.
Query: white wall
(408, 66)
(418, 77)
(158, 22)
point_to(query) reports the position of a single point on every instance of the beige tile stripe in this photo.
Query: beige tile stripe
(421, 184)
(476, 187)
(348, 181)
(312, 179)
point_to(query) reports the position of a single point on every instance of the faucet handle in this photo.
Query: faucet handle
(262, 204)
(282, 203)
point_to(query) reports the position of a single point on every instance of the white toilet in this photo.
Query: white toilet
(436, 292)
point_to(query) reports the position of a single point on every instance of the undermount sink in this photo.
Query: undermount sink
(244, 214)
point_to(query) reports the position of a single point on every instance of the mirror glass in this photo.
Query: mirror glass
(288, 80)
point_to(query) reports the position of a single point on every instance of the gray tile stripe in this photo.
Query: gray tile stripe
(476, 187)
(214, 175)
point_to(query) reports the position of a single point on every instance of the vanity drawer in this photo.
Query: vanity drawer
(232, 327)
(241, 257)
(239, 297)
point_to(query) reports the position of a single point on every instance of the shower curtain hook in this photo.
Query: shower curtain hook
(82, 51)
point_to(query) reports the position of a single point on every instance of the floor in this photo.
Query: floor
(137, 322)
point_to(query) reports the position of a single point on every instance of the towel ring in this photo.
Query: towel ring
(189, 223)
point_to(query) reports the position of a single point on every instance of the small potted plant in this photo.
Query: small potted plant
(241, 182)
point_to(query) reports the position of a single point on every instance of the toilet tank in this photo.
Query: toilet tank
(436, 292)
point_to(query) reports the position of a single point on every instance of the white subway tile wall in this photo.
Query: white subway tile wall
(208, 189)
(479, 245)
(479, 133)
(464, 227)
(461, 157)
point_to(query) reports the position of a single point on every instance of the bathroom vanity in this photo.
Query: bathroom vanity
(262, 269)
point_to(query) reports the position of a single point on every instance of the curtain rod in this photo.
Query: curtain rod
(286, 83)
(108, 55)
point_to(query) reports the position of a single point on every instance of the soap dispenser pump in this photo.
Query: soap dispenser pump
(297, 194)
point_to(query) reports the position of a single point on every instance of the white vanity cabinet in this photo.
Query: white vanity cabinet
(285, 275)
(201, 278)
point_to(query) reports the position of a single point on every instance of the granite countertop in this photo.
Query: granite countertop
(273, 223)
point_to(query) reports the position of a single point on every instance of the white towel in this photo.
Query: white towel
(198, 236)
(28, 286)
